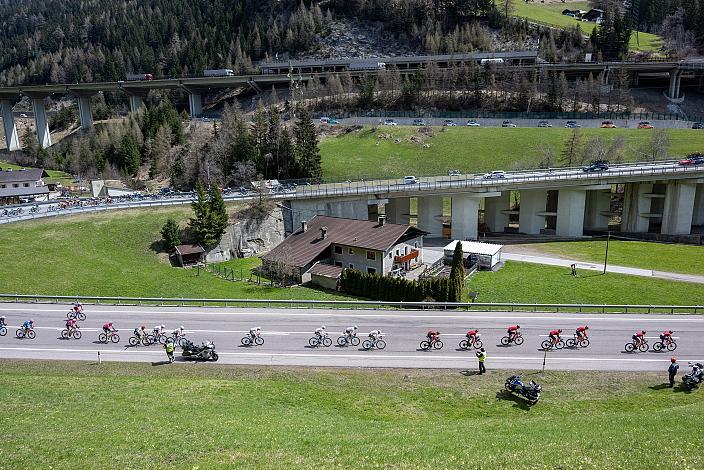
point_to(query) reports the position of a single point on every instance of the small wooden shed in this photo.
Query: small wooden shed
(188, 255)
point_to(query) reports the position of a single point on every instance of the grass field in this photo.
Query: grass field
(551, 14)
(686, 259)
(111, 254)
(470, 150)
(140, 416)
(534, 283)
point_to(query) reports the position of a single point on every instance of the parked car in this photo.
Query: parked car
(410, 180)
(698, 125)
(454, 173)
(694, 159)
(571, 125)
(598, 165)
(544, 124)
(449, 123)
(473, 124)
(495, 175)
(324, 119)
(645, 125)
(508, 123)
(333, 121)
(419, 122)
(608, 125)
(390, 122)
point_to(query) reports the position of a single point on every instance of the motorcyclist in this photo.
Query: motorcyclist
(28, 325)
(255, 331)
(581, 332)
(320, 332)
(513, 331)
(555, 336)
(433, 336)
(351, 331)
(638, 338)
(666, 336)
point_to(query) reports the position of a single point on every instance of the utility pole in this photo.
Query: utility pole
(606, 255)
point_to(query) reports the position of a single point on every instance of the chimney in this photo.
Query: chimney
(304, 226)
(323, 232)
(382, 220)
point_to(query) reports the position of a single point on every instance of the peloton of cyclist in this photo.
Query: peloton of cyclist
(638, 338)
(555, 336)
(513, 331)
(581, 332)
(351, 331)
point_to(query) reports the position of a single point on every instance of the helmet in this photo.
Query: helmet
(181, 327)
(586, 327)
(670, 331)
(31, 321)
(559, 331)
(163, 326)
(355, 327)
(143, 327)
(2, 317)
(259, 328)
(110, 323)
(322, 327)
(673, 359)
(518, 326)
(644, 332)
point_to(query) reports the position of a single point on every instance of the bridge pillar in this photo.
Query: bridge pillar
(8, 121)
(570, 212)
(195, 104)
(597, 210)
(136, 103)
(430, 215)
(698, 216)
(679, 208)
(42, 123)
(398, 210)
(465, 217)
(495, 208)
(531, 217)
(673, 92)
(636, 207)
(85, 112)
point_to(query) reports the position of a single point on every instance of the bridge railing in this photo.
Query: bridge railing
(352, 304)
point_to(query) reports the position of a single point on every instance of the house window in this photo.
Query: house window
(351, 251)
(398, 252)
(26, 185)
(390, 254)
(415, 245)
(3, 186)
(338, 250)
(371, 255)
(338, 263)
(351, 266)
(15, 185)
(371, 270)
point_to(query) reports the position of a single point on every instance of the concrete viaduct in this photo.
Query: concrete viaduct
(280, 73)
(664, 198)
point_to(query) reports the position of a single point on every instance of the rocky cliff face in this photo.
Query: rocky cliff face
(249, 236)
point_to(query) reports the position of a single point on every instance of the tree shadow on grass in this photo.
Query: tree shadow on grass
(659, 386)
(469, 373)
(518, 401)
(679, 388)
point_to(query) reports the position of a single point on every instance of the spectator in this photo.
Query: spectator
(672, 370)
(481, 355)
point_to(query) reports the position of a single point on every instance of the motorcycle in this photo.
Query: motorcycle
(694, 378)
(530, 392)
(204, 352)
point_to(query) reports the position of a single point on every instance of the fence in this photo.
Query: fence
(358, 304)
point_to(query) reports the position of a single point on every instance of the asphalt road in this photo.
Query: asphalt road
(286, 333)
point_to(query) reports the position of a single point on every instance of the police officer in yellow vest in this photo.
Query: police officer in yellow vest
(169, 347)
(481, 355)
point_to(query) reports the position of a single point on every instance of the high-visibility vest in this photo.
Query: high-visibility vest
(170, 347)
(482, 357)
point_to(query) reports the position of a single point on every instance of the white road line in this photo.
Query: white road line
(362, 355)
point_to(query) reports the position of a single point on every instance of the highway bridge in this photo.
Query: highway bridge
(282, 74)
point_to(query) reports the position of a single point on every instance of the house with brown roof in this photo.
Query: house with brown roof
(324, 246)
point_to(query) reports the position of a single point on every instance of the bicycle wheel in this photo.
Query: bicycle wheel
(354, 341)
(133, 341)
(81, 316)
(258, 340)
(3, 331)
(671, 346)
(438, 344)
(327, 342)
(31, 334)
(560, 344)
(464, 344)
(162, 339)
(64, 334)
(584, 343)
(380, 344)
(570, 343)
(518, 340)
(505, 340)
(478, 344)
(146, 341)
(367, 344)
(71, 315)
(245, 341)
(77, 334)
(103, 338)
(342, 341)
(115, 338)
(546, 344)
(313, 342)
(19, 333)
(629, 347)
(643, 347)
(424, 345)
(657, 347)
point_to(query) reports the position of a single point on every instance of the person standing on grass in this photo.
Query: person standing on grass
(481, 355)
(672, 370)
(169, 347)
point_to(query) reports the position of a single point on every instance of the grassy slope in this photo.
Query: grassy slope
(552, 14)
(532, 283)
(685, 259)
(206, 417)
(109, 254)
(469, 150)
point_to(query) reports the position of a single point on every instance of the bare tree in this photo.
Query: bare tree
(657, 147)
(572, 148)
(547, 155)
(677, 40)
(594, 149)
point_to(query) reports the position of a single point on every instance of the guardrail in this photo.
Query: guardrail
(353, 304)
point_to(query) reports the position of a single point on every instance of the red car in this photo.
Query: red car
(692, 160)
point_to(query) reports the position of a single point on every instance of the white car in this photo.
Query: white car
(410, 180)
(495, 175)
(449, 123)
(473, 124)
(454, 173)
(390, 122)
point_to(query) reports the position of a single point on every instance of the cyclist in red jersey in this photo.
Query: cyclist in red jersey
(555, 336)
(513, 331)
(581, 332)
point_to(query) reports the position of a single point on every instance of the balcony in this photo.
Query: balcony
(406, 258)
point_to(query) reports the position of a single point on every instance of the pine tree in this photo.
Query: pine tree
(306, 147)
(218, 219)
(199, 223)
(457, 274)
(170, 234)
(129, 154)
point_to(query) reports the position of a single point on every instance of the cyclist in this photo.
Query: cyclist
(375, 335)
(77, 307)
(71, 325)
(108, 328)
(638, 338)
(254, 332)
(178, 332)
(555, 336)
(433, 336)
(28, 325)
(351, 331)
(666, 336)
(472, 336)
(320, 332)
(581, 332)
(513, 331)
(158, 330)
(2, 321)
(140, 332)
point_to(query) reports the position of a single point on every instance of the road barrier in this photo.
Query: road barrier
(354, 304)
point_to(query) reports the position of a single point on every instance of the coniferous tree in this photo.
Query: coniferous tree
(170, 233)
(306, 148)
(457, 274)
(200, 222)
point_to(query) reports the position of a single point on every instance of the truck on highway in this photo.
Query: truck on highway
(139, 76)
(218, 73)
(367, 65)
(485, 62)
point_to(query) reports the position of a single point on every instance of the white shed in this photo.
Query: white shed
(487, 255)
